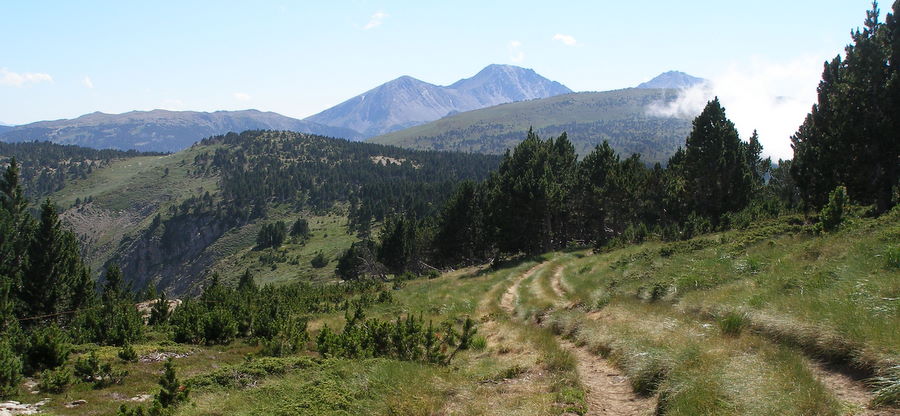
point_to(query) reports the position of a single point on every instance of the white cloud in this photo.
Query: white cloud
(14, 79)
(376, 20)
(771, 97)
(241, 96)
(567, 40)
(86, 81)
(515, 51)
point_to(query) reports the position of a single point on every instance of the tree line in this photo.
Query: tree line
(542, 197)
(46, 167)
(852, 135)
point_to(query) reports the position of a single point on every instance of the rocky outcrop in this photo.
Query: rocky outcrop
(173, 254)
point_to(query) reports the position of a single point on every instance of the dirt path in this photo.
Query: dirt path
(508, 301)
(608, 391)
(556, 283)
(848, 390)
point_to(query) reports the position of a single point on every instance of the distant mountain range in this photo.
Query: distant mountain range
(672, 79)
(159, 130)
(391, 107)
(619, 117)
(406, 101)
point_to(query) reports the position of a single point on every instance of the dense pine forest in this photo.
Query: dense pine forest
(718, 282)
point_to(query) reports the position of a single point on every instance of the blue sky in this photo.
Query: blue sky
(63, 59)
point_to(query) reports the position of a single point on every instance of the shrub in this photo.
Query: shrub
(832, 213)
(290, 338)
(159, 314)
(55, 381)
(319, 261)
(407, 339)
(171, 392)
(126, 325)
(106, 376)
(246, 373)
(87, 367)
(187, 323)
(10, 370)
(48, 348)
(127, 353)
(219, 326)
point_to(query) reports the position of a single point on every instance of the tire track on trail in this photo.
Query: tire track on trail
(556, 283)
(508, 300)
(608, 392)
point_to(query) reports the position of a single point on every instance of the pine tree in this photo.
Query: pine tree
(246, 282)
(15, 234)
(461, 234)
(533, 182)
(54, 262)
(851, 136)
(171, 392)
(48, 348)
(718, 178)
(594, 178)
(300, 229)
(759, 167)
(10, 370)
(159, 313)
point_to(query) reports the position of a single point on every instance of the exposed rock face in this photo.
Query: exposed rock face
(173, 254)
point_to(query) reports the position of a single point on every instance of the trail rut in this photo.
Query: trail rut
(508, 300)
(849, 390)
(556, 282)
(607, 390)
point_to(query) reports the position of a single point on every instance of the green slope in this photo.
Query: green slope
(169, 220)
(589, 118)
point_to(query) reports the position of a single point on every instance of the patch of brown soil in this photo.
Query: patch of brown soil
(848, 390)
(608, 391)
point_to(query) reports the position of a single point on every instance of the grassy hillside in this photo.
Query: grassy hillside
(773, 319)
(589, 118)
(46, 167)
(171, 219)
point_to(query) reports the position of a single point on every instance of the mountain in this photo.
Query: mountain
(169, 219)
(406, 101)
(619, 117)
(672, 79)
(159, 130)
(4, 127)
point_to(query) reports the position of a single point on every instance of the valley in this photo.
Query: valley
(497, 245)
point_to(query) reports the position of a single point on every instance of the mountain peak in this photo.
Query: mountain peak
(672, 79)
(407, 101)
